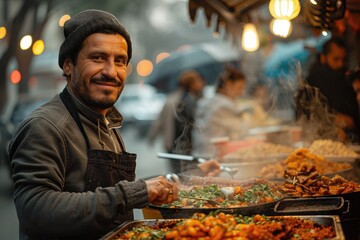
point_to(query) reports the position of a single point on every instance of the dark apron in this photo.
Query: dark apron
(104, 168)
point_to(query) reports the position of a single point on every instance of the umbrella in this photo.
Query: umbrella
(207, 58)
(283, 60)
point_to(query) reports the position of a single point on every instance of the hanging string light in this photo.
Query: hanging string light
(250, 38)
(281, 27)
(284, 9)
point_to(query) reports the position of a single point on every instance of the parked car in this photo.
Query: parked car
(140, 105)
(9, 122)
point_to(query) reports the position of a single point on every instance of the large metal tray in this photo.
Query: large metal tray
(326, 220)
(312, 206)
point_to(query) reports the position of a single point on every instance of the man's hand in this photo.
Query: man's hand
(161, 190)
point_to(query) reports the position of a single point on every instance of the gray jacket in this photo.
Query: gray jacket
(48, 165)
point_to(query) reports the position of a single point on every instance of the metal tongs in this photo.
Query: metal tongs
(230, 170)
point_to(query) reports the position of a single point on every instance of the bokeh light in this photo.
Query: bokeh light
(63, 19)
(25, 42)
(144, 68)
(2, 32)
(162, 56)
(15, 77)
(38, 47)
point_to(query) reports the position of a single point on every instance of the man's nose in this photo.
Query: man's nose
(109, 69)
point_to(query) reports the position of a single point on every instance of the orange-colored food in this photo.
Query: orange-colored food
(227, 226)
(297, 159)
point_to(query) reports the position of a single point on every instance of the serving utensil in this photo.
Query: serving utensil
(230, 170)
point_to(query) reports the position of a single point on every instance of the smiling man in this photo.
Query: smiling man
(73, 178)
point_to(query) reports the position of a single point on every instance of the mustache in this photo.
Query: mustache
(104, 79)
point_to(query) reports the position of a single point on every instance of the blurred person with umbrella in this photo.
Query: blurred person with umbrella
(206, 58)
(175, 122)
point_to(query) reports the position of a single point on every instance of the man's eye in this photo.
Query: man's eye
(98, 57)
(120, 61)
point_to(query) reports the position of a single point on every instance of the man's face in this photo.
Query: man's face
(99, 75)
(356, 86)
(335, 59)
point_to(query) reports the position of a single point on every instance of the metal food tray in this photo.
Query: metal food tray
(312, 205)
(326, 220)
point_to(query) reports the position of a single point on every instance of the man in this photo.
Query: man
(73, 178)
(328, 76)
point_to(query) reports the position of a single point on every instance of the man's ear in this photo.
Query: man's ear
(67, 66)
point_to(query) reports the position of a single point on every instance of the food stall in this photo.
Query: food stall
(278, 188)
(311, 190)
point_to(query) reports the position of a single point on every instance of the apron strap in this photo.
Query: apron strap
(70, 105)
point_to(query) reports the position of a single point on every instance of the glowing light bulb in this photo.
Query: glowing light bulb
(250, 38)
(281, 27)
(284, 9)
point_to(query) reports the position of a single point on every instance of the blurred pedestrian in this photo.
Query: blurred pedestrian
(260, 92)
(327, 75)
(176, 119)
(349, 28)
(225, 115)
(73, 178)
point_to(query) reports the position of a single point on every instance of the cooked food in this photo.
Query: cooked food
(261, 150)
(327, 147)
(213, 195)
(219, 225)
(297, 159)
(308, 182)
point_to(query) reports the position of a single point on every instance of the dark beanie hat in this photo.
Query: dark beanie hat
(86, 23)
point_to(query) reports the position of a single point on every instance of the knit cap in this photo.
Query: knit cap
(86, 23)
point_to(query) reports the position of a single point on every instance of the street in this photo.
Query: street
(147, 165)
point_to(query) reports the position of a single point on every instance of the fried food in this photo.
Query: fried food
(299, 158)
(308, 182)
(218, 225)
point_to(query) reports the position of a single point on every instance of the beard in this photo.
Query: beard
(92, 98)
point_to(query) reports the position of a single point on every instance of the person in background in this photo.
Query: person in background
(328, 76)
(349, 28)
(225, 115)
(261, 94)
(354, 79)
(73, 178)
(176, 119)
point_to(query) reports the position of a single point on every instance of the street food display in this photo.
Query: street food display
(330, 148)
(233, 208)
(258, 151)
(299, 158)
(308, 182)
(218, 225)
(213, 195)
